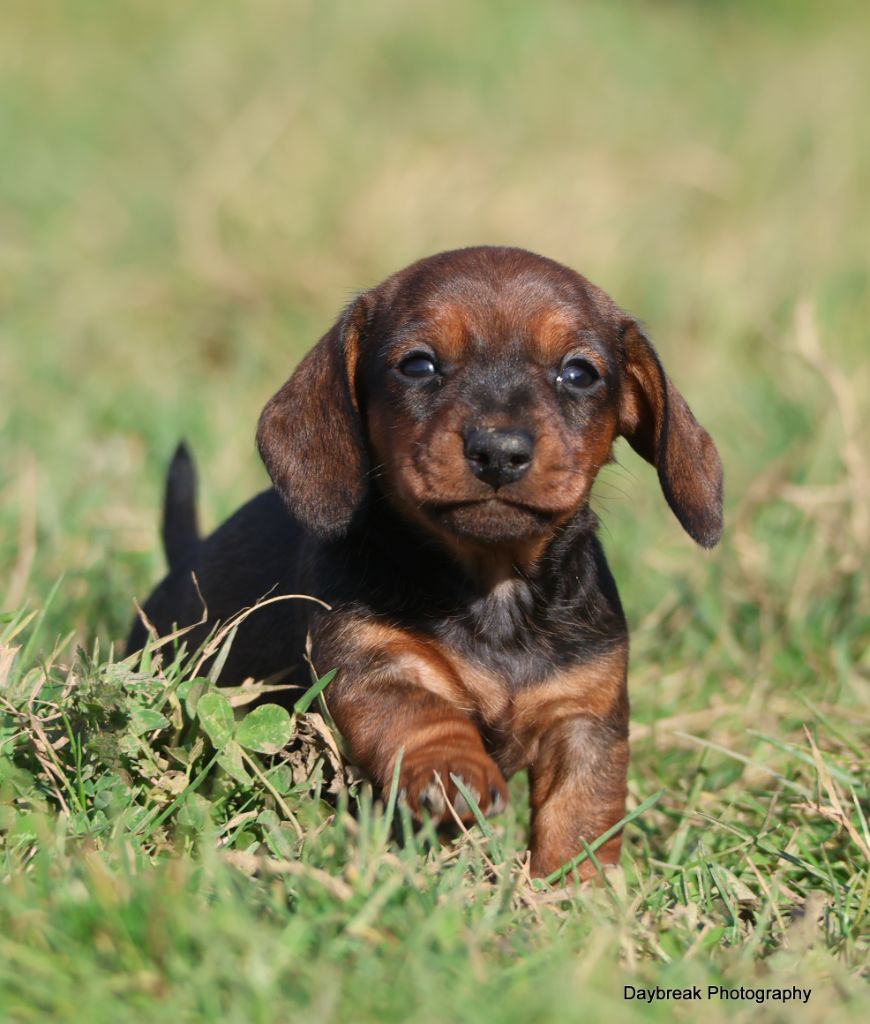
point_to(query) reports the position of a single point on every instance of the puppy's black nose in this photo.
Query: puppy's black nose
(498, 457)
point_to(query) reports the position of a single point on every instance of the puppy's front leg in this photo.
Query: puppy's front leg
(578, 788)
(395, 696)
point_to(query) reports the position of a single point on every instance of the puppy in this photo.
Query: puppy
(432, 459)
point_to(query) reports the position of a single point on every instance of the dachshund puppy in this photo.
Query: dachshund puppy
(432, 459)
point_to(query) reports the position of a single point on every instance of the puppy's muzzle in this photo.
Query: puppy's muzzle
(498, 457)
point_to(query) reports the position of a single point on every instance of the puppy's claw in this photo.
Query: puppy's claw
(432, 799)
(460, 804)
(496, 802)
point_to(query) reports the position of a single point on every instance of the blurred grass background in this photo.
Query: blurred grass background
(190, 192)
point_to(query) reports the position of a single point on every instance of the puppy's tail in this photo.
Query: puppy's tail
(180, 529)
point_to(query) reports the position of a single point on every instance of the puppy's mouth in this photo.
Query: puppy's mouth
(491, 520)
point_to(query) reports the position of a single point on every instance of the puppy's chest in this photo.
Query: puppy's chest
(510, 634)
(515, 672)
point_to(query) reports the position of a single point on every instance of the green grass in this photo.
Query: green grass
(188, 194)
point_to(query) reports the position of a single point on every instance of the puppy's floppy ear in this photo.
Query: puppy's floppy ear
(659, 425)
(310, 435)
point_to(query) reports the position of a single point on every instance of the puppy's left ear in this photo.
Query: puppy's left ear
(310, 436)
(659, 425)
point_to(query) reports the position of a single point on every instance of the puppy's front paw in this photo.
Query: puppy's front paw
(425, 781)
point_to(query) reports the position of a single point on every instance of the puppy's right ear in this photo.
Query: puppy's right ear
(310, 434)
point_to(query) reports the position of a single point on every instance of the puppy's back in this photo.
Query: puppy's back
(253, 555)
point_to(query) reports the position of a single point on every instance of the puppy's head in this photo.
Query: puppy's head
(482, 389)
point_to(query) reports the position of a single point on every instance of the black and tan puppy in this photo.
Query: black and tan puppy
(432, 458)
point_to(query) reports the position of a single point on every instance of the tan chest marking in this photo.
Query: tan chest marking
(592, 688)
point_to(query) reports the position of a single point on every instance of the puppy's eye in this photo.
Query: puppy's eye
(418, 366)
(579, 375)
